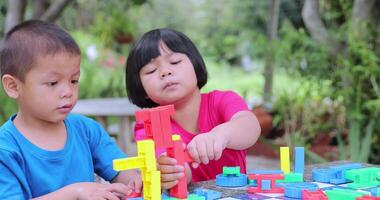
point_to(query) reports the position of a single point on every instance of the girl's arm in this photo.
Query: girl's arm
(241, 132)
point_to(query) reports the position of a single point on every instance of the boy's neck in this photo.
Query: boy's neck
(187, 112)
(44, 134)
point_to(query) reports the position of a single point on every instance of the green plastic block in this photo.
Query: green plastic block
(195, 197)
(227, 171)
(363, 177)
(346, 194)
(291, 178)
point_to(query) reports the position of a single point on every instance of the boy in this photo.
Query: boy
(46, 152)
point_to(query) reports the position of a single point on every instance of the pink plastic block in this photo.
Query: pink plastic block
(367, 198)
(313, 195)
(260, 177)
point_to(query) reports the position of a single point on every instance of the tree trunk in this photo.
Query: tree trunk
(39, 8)
(312, 19)
(272, 35)
(361, 13)
(15, 13)
(54, 10)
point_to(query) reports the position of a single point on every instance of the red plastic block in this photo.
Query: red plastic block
(260, 177)
(313, 195)
(132, 195)
(368, 198)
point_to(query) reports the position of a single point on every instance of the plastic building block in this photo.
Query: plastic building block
(294, 190)
(339, 172)
(322, 175)
(231, 171)
(265, 184)
(313, 195)
(364, 177)
(291, 178)
(299, 160)
(265, 172)
(368, 198)
(135, 198)
(208, 194)
(346, 194)
(285, 159)
(260, 177)
(133, 195)
(231, 181)
(195, 197)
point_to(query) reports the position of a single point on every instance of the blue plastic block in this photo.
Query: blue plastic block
(322, 175)
(265, 172)
(231, 181)
(299, 160)
(294, 190)
(136, 198)
(265, 185)
(208, 194)
(339, 172)
(373, 190)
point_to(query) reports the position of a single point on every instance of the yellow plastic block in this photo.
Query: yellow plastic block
(176, 137)
(146, 149)
(128, 163)
(285, 159)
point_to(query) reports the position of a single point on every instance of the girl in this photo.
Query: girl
(164, 67)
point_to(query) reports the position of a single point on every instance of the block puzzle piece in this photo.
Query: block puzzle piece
(368, 198)
(260, 177)
(291, 178)
(265, 184)
(208, 194)
(334, 174)
(364, 177)
(294, 190)
(265, 172)
(299, 160)
(314, 195)
(346, 194)
(228, 171)
(285, 159)
(231, 181)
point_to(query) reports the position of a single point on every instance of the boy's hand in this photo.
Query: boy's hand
(170, 171)
(89, 191)
(206, 146)
(135, 181)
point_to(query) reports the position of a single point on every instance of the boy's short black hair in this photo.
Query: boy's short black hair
(146, 49)
(30, 39)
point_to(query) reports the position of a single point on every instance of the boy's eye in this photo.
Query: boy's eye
(75, 81)
(52, 83)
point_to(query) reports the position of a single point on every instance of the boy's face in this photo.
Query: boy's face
(50, 89)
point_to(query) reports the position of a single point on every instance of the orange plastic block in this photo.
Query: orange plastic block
(313, 195)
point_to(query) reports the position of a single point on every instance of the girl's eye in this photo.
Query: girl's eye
(52, 83)
(176, 62)
(151, 71)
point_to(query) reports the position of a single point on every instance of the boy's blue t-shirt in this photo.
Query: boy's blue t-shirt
(27, 171)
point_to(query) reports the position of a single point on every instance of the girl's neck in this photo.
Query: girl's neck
(187, 111)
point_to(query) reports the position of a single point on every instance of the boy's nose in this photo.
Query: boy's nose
(67, 91)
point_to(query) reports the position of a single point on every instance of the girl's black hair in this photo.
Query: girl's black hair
(146, 49)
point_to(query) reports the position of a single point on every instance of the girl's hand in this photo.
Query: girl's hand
(170, 171)
(207, 146)
(90, 191)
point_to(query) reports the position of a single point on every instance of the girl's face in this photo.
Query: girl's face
(169, 78)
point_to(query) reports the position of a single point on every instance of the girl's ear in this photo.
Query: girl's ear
(11, 86)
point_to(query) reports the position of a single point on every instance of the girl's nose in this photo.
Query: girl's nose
(165, 73)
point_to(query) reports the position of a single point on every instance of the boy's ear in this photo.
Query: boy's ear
(11, 85)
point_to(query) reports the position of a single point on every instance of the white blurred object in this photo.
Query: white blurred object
(92, 52)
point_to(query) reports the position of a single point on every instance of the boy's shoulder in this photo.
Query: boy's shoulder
(8, 140)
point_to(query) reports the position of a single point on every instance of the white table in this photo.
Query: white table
(103, 109)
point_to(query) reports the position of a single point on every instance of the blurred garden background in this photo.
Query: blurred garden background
(309, 69)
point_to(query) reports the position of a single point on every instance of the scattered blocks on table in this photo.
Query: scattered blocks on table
(314, 195)
(231, 181)
(334, 174)
(292, 178)
(294, 190)
(208, 194)
(265, 172)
